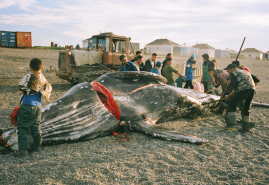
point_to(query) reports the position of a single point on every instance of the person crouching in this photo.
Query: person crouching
(243, 89)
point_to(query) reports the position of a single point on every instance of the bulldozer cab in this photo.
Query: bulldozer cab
(112, 47)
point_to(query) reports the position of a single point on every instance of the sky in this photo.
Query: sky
(220, 23)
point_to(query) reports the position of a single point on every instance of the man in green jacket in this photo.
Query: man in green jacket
(168, 72)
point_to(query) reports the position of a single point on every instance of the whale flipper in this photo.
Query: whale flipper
(147, 126)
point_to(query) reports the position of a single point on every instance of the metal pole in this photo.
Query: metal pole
(240, 48)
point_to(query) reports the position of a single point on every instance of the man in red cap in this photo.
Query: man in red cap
(243, 89)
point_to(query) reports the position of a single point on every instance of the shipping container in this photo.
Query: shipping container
(7, 39)
(4, 39)
(24, 40)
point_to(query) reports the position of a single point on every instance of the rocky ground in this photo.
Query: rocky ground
(229, 157)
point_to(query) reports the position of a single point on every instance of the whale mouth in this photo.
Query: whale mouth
(106, 98)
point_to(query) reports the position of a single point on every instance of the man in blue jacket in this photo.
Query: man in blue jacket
(126, 65)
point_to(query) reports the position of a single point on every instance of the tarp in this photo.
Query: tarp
(87, 57)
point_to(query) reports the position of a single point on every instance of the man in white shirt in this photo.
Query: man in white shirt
(138, 62)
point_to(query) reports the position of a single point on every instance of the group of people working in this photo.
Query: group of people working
(151, 65)
(237, 82)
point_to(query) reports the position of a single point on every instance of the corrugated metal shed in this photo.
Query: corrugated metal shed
(24, 39)
(217, 53)
(222, 53)
(185, 51)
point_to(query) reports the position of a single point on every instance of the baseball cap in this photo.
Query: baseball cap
(158, 64)
(230, 66)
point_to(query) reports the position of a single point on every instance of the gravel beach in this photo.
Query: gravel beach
(230, 157)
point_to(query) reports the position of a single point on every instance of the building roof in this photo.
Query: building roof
(202, 46)
(251, 50)
(231, 51)
(163, 42)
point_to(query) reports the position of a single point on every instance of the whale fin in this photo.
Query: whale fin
(138, 123)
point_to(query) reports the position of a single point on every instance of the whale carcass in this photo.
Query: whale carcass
(132, 100)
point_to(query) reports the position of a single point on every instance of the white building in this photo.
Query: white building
(161, 47)
(85, 43)
(252, 53)
(205, 48)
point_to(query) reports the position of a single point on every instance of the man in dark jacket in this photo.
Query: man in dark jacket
(169, 55)
(150, 63)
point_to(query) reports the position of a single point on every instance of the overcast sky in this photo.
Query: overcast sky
(220, 23)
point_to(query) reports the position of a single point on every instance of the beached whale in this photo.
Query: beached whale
(132, 100)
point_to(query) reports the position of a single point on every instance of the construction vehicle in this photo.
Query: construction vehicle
(102, 56)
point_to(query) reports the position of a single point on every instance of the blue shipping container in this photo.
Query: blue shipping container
(4, 39)
(7, 39)
(12, 39)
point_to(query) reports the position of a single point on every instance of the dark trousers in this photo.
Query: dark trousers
(207, 87)
(246, 95)
(29, 118)
(188, 84)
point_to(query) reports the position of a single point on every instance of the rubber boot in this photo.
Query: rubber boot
(21, 153)
(37, 144)
(230, 121)
(246, 125)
